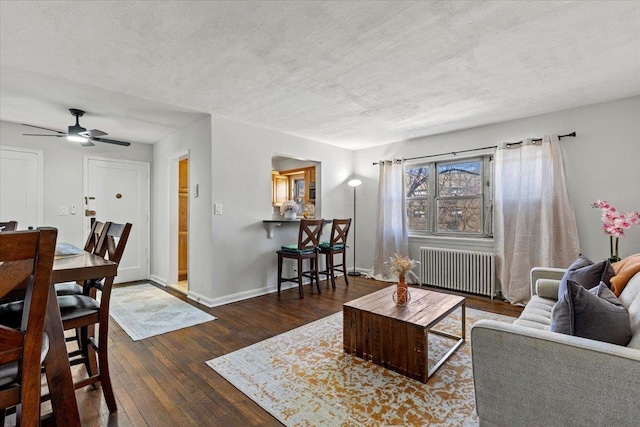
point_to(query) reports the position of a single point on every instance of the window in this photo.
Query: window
(448, 197)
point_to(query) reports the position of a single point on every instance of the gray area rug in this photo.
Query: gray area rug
(143, 311)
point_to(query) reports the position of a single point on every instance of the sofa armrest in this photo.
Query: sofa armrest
(544, 273)
(526, 376)
(547, 288)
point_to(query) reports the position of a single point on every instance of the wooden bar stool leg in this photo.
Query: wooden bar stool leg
(344, 267)
(331, 270)
(300, 291)
(315, 262)
(279, 272)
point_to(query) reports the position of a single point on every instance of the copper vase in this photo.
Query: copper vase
(401, 295)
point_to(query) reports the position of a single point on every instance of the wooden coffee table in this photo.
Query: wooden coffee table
(395, 337)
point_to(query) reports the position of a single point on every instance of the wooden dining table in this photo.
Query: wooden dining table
(68, 268)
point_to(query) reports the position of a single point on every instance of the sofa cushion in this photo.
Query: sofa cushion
(630, 297)
(537, 313)
(595, 314)
(588, 276)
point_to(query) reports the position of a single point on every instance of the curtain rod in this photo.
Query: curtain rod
(509, 144)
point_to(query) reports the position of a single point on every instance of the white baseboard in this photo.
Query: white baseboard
(227, 299)
(159, 280)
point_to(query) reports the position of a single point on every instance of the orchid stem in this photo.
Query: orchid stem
(611, 246)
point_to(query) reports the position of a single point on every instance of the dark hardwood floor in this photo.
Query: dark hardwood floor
(164, 381)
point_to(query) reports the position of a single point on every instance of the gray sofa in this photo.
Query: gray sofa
(526, 375)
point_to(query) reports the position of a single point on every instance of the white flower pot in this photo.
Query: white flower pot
(289, 215)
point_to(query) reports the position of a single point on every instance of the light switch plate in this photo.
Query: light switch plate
(64, 210)
(217, 209)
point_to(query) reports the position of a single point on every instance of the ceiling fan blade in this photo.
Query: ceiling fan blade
(40, 127)
(87, 144)
(42, 134)
(112, 141)
(92, 133)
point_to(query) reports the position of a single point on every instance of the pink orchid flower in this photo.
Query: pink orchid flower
(614, 223)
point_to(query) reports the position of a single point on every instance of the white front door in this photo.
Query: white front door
(21, 186)
(118, 191)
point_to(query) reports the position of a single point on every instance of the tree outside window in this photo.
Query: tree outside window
(446, 197)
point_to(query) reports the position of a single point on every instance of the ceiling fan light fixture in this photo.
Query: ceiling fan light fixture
(77, 133)
(77, 138)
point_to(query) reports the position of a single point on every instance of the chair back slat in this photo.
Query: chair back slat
(13, 271)
(340, 231)
(113, 241)
(309, 235)
(117, 237)
(97, 228)
(20, 250)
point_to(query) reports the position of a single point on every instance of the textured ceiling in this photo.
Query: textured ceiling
(353, 73)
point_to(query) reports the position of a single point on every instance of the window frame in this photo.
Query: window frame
(432, 198)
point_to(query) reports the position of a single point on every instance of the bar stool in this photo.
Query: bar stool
(337, 245)
(307, 248)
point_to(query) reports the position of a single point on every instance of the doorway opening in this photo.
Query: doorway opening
(182, 284)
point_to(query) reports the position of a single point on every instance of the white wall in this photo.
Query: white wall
(64, 174)
(231, 257)
(602, 162)
(244, 261)
(196, 140)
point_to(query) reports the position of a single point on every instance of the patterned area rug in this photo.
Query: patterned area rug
(303, 378)
(143, 311)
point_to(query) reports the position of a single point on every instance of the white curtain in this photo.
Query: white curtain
(391, 235)
(534, 222)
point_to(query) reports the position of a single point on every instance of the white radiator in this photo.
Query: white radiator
(458, 270)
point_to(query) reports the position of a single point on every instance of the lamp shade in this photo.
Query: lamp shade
(354, 182)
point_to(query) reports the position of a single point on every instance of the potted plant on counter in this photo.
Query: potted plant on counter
(289, 209)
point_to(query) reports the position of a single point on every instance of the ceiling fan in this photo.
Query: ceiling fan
(77, 133)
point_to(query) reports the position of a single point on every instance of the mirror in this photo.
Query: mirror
(295, 179)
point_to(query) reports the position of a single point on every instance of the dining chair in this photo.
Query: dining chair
(92, 245)
(335, 246)
(26, 260)
(305, 249)
(9, 226)
(84, 311)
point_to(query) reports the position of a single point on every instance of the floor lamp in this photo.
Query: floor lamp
(354, 183)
